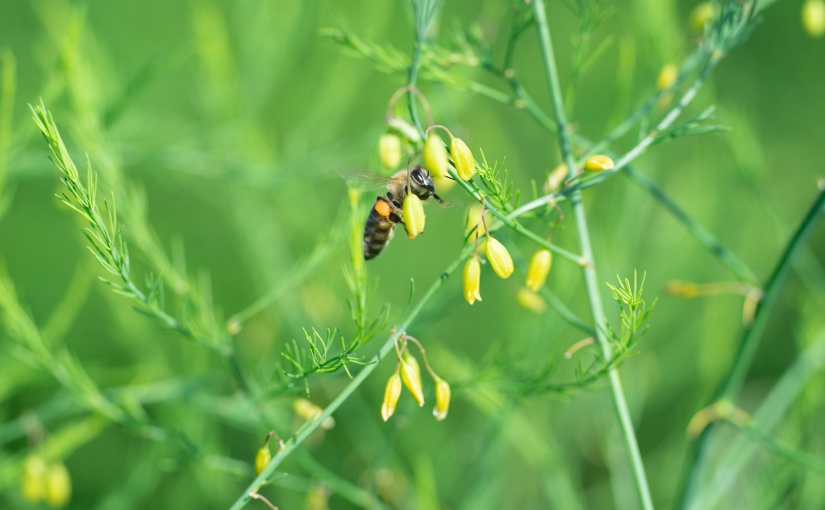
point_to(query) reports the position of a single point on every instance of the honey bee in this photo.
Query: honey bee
(387, 211)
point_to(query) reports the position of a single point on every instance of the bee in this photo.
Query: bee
(387, 211)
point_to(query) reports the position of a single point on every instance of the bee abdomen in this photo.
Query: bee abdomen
(378, 228)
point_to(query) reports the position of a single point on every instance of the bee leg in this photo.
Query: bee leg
(440, 201)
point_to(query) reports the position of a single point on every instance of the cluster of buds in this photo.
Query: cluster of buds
(497, 255)
(408, 373)
(49, 483)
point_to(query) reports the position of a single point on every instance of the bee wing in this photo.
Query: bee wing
(364, 180)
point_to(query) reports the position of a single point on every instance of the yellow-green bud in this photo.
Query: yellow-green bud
(413, 215)
(667, 76)
(813, 17)
(309, 411)
(442, 399)
(406, 129)
(701, 15)
(411, 375)
(499, 257)
(538, 269)
(472, 280)
(391, 394)
(58, 485)
(463, 160)
(598, 163)
(530, 300)
(34, 479)
(556, 178)
(435, 155)
(389, 150)
(682, 289)
(262, 459)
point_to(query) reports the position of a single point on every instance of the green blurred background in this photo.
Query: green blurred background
(224, 125)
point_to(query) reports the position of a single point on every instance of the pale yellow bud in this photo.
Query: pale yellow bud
(556, 178)
(538, 269)
(442, 399)
(499, 257)
(34, 479)
(435, 155)
(598, 163)
(813, 17)
(682, 289)
(463, 160)
(406, 129)
(309, 411)
(472, 280)
(391, 394)
(58, 485)
(701, 15)
(473, 221)
(667, 77)
(413, 215)
(529, 300)
(411, 375)
(262, 459)
(389, 150)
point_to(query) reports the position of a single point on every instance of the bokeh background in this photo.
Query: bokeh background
(223, 128)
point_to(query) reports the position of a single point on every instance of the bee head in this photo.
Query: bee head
(421, 178)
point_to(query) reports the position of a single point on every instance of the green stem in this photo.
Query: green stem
(790, 453)
(372, 364)
(589, 270)
(750, 339)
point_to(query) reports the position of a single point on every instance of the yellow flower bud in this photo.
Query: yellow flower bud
(463, 160)
(472, 280)
(499, 257)
(442, 399)
(435, 155)
(413, 215)
(538, 269)
(667, 76)
(813, 17)
(411, 375)
(262, 459)
(389, 150)
(701, 15)
(309, 411)
(682, 289)
(530, 300)
(34, 479)
(598, 163)
(406, 129)
(556, 178)
(391, 394)
(58, 485)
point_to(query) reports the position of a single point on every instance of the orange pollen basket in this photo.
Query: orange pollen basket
(383, 208)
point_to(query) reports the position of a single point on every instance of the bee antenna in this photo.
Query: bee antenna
(442, 202)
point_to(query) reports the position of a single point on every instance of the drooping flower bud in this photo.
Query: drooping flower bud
(391, 394)
(58, 485)
(442, 399)
(413, 215)
(701, 15)
(463, 160)
(33, 485)
(667, 76)
(435, 155)
(598, 163)
(309, 411)
(406, 129)
(472, 280)
(499, 257)
(262, 458)
(529, 300)
(538, 269)
(813, 17)
(389, 150)
(411, 375)
(556, 178)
